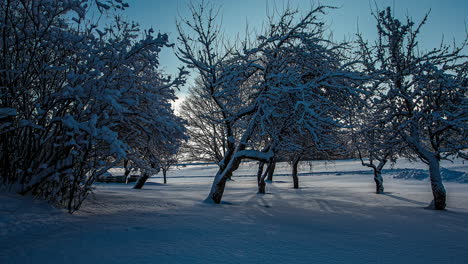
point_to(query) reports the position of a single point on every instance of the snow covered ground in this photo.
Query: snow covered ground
(333, 218)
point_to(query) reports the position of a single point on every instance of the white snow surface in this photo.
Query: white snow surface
(333, 218)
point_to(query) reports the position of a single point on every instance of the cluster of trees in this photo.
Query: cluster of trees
(290, 93)
(80, 90)
(79, 96)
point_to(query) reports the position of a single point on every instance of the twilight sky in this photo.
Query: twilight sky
(448, 18)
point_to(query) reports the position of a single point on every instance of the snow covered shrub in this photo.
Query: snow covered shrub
(76, 96)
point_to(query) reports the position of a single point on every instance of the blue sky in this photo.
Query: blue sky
(447, 18)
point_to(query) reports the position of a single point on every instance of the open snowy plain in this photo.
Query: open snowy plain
(333, 218)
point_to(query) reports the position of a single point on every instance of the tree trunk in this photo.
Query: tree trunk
(260, 172)
(271, 171)
(219, 184)
(438, 189)
(294, 173)
(229, 165)
(127, 171)
(261, 186)
(378, 181)
(217, 189)
(141, 181)
(261, 178)
(164, 175)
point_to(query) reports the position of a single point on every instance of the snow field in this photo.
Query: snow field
(333, 218)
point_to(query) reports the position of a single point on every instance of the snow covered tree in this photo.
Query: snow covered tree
(375, 148)
(167, 162)
(152, 135)
(202, 48)
(423, 99)
(291, 76)
(303, 146)
(169, 157)
(375, 142)
(70, 92)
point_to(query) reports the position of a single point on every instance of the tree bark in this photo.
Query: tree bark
(294, 173)
(261, 186)
(261, 178)
(164, 175)
(379, 188)
(141, 181)
(219, 183)
(127, 171)
(438, 189)
(217, 189)
(229, 164)
(260, 170)
(227, 157)
(271, 171)
(431, 158)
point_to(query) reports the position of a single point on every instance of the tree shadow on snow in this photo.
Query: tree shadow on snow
(227, 203)
(405, 199)
(155, 184)
(277, 181)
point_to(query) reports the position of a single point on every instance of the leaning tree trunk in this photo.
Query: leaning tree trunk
(141, 180)
(164, 175)
(271, 170)
(294, 173)
(438, 189)
(261, 164)
(217, 189)
(379, 188)
(233, 162)
(219, 184)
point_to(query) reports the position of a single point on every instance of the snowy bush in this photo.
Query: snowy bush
(77, 97)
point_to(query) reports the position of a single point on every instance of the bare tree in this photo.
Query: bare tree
(208, 141)
(168, 160)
